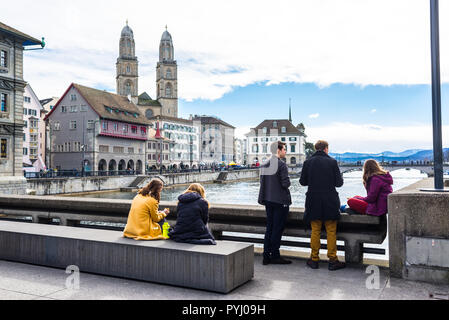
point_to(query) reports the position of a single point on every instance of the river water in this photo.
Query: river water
(247, 193)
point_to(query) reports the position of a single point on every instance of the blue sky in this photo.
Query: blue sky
(358, 72)
(382, 105)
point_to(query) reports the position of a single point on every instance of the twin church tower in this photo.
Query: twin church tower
(166, 103)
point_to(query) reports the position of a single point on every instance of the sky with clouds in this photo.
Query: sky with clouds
(358, 72)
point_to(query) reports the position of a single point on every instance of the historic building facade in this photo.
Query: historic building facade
(269, 131)
(217, 140)
(185, 137)
(47, 104)
(159, 150)
(94, 130)
(12, 86)
(34, 131)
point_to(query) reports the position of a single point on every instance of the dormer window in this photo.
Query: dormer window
(275, 124)
(284, 130)
(108, 109)
(265, 130)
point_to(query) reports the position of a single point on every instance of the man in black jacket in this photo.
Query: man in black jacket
(322, 175)
(275, 196)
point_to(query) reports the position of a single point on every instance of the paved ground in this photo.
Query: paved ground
(273, 282)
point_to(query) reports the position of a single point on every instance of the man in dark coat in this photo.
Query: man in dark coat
(322, 175)
(275, 196)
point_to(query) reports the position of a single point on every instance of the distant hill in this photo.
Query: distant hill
(388, 156)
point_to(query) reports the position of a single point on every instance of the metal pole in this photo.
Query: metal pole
(436, 96)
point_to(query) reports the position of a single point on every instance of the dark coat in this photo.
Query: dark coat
(322, 175)
(274, 182)
(191, 224)
(378, 188)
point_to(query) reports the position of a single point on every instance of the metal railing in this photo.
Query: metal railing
(76, 173)
(51, 174)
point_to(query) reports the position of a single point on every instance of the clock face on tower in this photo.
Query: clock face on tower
(149, 114)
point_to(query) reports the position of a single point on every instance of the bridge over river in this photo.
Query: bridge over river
(424, 168)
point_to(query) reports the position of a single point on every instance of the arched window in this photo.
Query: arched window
(128, 69)
(168, 90)
(169, 74)
(127, 88)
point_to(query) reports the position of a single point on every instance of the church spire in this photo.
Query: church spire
(290, 111)
(127, 64)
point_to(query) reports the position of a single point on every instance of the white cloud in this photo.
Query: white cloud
(314, 116)
(373, 110)
(228, 44)
(350, 137)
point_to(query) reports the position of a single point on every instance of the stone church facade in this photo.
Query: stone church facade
(166, 103)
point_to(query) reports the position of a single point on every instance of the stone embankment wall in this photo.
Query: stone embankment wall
(76, 185)
(186, 178)
(89, 184)
(13, 185)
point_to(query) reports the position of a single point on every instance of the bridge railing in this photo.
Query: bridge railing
(236, 220)
(77, 174)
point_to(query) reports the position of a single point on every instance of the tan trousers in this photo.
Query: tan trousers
(315, 244)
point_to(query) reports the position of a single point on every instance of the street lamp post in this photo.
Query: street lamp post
(436, 98)
(159, 138)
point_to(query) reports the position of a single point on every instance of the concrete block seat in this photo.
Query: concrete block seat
(219, 268)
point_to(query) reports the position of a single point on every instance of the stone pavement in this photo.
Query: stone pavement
(272, 282)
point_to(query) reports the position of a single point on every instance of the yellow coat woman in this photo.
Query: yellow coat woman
(144, 214)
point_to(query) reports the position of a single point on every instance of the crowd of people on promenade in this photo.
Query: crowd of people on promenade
(320, 173)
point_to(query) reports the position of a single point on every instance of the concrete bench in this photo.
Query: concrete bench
(219, 268)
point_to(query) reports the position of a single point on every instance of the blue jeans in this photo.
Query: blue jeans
(276, 216)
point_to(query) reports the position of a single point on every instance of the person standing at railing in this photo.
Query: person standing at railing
(144, 219)
(322, 176)
(275, 195)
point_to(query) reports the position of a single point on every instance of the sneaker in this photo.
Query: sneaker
(280, 261)
(313, 264)
(336, 265)
(266, 261)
